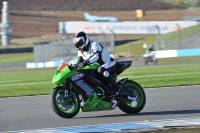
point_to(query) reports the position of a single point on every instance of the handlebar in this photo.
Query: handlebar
(73, 67)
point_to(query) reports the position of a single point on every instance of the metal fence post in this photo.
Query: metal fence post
(113, 41)
(179, 30)
(130, 49)
(158, 38)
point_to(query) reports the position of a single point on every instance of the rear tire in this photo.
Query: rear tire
(59, 103)
(125, 104)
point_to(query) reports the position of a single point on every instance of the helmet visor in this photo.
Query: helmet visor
(79, 43)
(81, 47)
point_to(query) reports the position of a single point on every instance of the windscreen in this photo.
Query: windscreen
(67, 61)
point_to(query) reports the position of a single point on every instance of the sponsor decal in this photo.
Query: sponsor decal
(77, 76)
(89, 91)
(114, 103)
(95, 104)
(177, 28)
(89, 28)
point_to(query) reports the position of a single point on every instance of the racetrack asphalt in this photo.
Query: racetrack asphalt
(15, 65)
(34, 112)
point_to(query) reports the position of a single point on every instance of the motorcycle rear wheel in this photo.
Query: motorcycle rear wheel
(62, 106)
(126, 105)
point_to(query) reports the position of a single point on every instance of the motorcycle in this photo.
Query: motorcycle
(82, 89)
(150, 57)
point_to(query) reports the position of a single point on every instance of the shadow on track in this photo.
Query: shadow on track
(149, 113)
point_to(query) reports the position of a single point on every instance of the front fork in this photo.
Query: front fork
(66, 89)
(66, 94)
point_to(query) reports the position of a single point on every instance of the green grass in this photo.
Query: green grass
(169, 75)
(180, 59)
(16, 58)
(22, 82)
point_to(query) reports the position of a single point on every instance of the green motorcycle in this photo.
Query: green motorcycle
(82, 89)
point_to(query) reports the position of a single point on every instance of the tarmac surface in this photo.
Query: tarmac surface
(34, 112)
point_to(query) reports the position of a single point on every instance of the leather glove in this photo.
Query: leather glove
(83, 64)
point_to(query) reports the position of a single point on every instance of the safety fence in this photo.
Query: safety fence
(159, 54)
(65, 48)
(179, 40)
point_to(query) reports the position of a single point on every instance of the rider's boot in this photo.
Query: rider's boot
(115, 87)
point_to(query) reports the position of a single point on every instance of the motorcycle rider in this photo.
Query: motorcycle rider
(150, 49)
(90, 51)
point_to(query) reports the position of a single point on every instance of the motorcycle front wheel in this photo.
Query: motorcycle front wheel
(146, 61)
(129, 106)
(155, 61)
(65, 106)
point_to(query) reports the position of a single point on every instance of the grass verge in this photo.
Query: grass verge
(169, 75)
(180, 59)
(23, 82)
(16, 58)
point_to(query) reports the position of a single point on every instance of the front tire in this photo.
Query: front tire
(146, 61)
(129, 106)
(155, 61)
(65, 107)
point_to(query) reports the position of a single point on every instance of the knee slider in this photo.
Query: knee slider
(106, 74)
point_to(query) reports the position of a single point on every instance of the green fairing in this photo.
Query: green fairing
(93, 66)
(95, 104)
(62, 75)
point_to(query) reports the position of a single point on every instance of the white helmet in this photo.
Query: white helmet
(81, 40)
